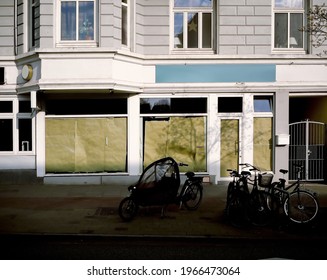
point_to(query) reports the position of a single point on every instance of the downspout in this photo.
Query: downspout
(15, 27)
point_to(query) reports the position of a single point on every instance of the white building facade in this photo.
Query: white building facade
(93, 91)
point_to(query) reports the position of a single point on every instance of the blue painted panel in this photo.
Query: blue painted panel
(215, 73)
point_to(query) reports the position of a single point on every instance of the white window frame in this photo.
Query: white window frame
(185, 11)
(288, 11)
(15, 116)
(76, 43)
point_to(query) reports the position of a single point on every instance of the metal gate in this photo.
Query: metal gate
(307, 147)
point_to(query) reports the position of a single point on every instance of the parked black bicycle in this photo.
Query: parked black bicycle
(159, 185)
(298, 204)
(247, 197)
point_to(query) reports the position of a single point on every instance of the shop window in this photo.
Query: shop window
(6, 132)
(77, 20)
(230, 104)
(25, 135)
(262, 142)
(193, 21)
(76, 145)
(183, 138)
(173, 105)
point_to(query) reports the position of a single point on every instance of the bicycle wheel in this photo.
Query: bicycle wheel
(127, 209)
(192, 196)
(301, 207)
(259, 212)
(237, 210)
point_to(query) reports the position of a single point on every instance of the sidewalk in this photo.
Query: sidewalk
(93, 210)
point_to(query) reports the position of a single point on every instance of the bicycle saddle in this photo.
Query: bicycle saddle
(284, 171)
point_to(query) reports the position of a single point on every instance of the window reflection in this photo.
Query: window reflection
(77, 21)
(193, 3)
(289, 3)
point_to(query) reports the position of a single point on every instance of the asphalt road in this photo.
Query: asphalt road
(74, 247)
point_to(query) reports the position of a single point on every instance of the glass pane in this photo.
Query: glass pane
(262, 143)
(193, 3)
(68, 20)
(86, 20)
(183, 138)
(6, 107)
(289, 3)
(192, 30)
(206, 30)
(178, 30)
(25, 134)
(296, 39)
(262, 104)
(281, 30)
(124, 25)
(25, 106)
(86, 106)
(230, 104)
(229, 146)
(173, 105)
(6, 132)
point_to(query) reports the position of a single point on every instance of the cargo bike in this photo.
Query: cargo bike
(160, 185)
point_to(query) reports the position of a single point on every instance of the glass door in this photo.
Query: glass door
(229, 145)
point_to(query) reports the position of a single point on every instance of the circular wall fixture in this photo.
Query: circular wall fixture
(27, 72)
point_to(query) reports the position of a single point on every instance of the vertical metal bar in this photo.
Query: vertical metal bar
(306, 149)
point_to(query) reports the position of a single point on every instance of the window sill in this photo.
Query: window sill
(289, 51)
(192, 51)
(77, 44)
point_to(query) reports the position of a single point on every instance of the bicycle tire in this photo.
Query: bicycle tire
(237, 210)
(301, 207)
(192, 196)
(259, 212)
(127, 209)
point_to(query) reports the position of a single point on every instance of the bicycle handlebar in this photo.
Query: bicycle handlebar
(182, 164)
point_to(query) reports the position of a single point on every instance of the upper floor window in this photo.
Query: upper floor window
(289, 18)
(124, 23)
(77, 20)
(33, 28)
(192, 24)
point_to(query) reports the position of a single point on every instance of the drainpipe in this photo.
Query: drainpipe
(15, 27)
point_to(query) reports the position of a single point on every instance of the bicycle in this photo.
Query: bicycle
(158, 186)
(243, 206)
(237, 199)
(299, 205)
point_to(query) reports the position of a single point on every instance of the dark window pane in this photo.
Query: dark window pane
(6, 107)
(193, 29)
(206, 30)
(2, 75)
(230, 105)
(173, 105)
(25, 106)
(86, 106)
(281, 27)
(6, 135)
(262, 104)
(25, 134)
